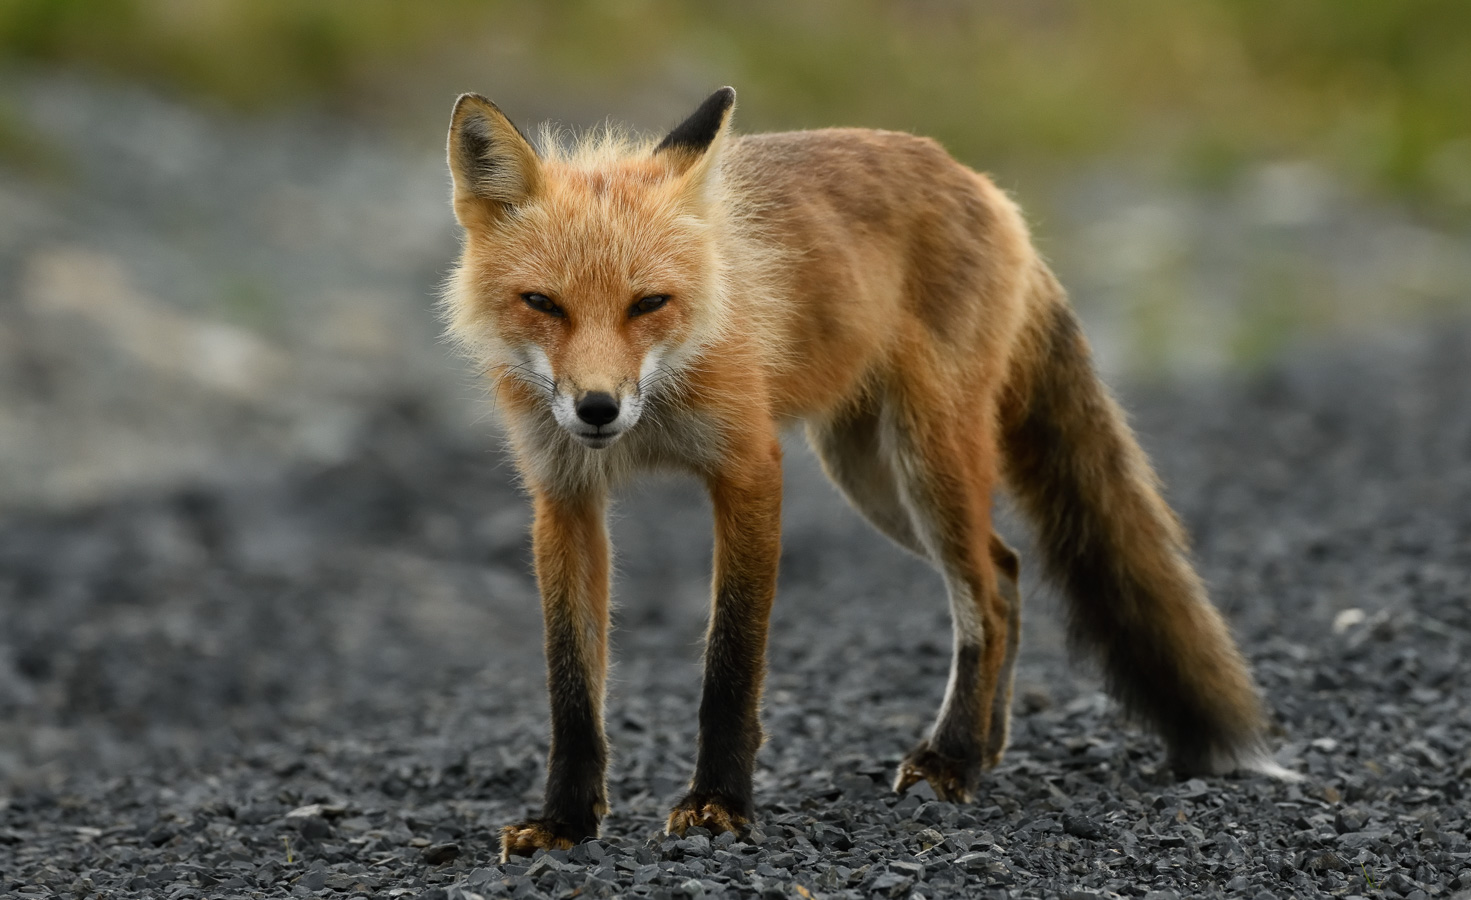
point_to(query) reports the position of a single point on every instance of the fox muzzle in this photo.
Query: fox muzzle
(597, 408)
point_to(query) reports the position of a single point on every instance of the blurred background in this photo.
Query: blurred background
(222, 222)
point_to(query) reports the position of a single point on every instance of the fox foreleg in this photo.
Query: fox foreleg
(571, 549)
(746, 497)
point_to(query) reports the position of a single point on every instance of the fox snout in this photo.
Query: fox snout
(596, 418)
(597, 408)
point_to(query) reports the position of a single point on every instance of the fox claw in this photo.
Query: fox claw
(525, 838)
(706, 811)
(953, 780)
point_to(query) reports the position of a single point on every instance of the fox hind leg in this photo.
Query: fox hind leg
(957, 774)
(926, 485)
(946, 469)
(1008, 583)
(849, 447)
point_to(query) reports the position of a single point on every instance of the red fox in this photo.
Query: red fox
(677, 303)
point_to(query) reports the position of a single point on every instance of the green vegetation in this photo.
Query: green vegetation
(23, 150)
(1374, 90)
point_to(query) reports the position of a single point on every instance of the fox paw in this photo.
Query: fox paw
(707, 811)
(525, 838)
(953, 780)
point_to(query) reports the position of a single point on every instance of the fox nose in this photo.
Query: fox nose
(597, 408)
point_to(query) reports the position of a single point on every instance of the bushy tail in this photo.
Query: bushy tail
(1111, 543)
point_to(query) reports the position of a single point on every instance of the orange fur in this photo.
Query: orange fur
(708, 289)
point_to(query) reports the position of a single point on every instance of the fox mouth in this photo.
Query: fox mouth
(597, 440)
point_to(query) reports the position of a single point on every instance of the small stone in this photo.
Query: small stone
(596, 887)
(1328, 861)
(1347, 820)
(1360, 840)
(160, 835)
(892, 884)
(540, 866)
(439, 854)
(692, 887)
(1195, 788)
(1347, 619)
(935, 813)
(1083, 827)
(325, 810)
(857, 786)
(314, 828)
(832, 838)
(906, 806)
(645, 874)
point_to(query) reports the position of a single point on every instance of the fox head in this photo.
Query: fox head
(589, 277)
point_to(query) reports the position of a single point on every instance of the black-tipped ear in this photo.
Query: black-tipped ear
(493, 166)
(695, 134)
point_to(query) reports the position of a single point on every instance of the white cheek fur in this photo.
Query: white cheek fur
(651, 363)
(538, 362)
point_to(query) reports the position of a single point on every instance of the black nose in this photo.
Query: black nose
(597, 408)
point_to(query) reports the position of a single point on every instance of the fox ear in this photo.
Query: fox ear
(494, 167)
(695, 139)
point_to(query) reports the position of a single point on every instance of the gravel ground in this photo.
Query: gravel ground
(331, 682)
(320, 672)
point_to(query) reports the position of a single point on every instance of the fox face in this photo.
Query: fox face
(589, 279)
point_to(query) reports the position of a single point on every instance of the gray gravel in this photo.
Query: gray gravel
(325, 678)
(331, 682)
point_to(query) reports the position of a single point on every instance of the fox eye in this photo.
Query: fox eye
(648, 304)
(543, 303)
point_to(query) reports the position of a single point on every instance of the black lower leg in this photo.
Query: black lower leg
(578, 760)
(730, 728)
(957, 734)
